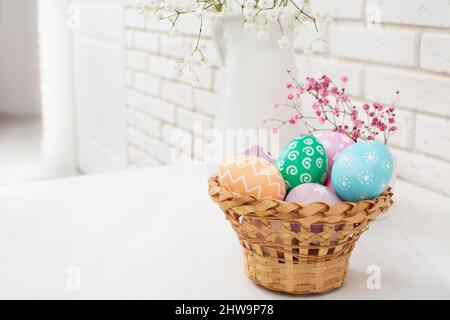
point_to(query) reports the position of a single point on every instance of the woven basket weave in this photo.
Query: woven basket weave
(293, 248)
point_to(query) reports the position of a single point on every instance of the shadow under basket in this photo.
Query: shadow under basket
(293, 248)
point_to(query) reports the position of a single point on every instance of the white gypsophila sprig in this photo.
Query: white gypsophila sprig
(319, 41)
(257, 15)
(287, 14)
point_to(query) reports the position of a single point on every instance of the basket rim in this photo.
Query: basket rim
(248, 205)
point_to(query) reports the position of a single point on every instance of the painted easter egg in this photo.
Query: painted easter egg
(252, 176)
(260, 152)
(362, 171)
(312, 192)
(303, 161)
(334, 143)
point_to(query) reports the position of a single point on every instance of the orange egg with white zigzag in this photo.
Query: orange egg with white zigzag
(252, 176)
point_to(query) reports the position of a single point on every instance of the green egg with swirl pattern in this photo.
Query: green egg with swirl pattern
(303, 161)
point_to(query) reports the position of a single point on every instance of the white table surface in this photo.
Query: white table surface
(155, 234)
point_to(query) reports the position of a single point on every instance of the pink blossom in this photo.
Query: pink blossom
(317, 86)
(275, 106)
(380, 118)
(358, 123)
(325, 81)
(311, 83)
(382, 127)
(355, 135)
(323, 92)
(336, 111)
(378, 106)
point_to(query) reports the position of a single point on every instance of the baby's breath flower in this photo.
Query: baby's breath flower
(256, 15)
(330, 104)
(273, 15)
(287, 15)
(265, 4)
(284, 42)
(199, 12)
(205, 63)
(250, 13)
(262, 35)
(250, 4)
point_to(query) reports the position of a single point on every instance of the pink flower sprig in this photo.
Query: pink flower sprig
(332, 105)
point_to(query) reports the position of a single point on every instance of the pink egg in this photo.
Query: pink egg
(259, 152)
(312, 192)
(334, 143)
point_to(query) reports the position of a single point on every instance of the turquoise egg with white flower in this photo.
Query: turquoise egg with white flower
(362, 171)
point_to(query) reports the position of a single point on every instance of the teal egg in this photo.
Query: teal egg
(362, 171)
(303, 160)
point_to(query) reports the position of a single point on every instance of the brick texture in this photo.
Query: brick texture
(386, 46)
(429, 13)
(419, 92)
(435, 52)
(381, 45)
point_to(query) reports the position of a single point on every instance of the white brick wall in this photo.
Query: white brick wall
(435, 52)
(429, 13)
(433, 136)
(386, 46)
(381, 45)
(342, 9)
(158, 102)
(418, 91)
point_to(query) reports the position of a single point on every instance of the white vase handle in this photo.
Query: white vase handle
(219, 41)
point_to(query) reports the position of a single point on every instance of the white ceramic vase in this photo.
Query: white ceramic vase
(255, 77)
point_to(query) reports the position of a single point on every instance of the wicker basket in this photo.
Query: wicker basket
(293, 248)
